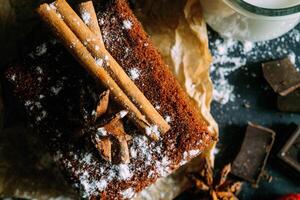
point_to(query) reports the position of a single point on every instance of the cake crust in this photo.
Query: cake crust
(60, 96)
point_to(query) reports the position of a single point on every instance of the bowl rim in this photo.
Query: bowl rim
(270, 12)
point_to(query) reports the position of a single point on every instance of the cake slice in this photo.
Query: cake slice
(60, 97)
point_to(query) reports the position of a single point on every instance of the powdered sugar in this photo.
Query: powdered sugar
(123, 113)
(99, 62)
(152, 130)
(101, 131)
(127, 24)
(168, 118)
(194, 153)
(86, 17)
(13, 77)
(292, 57)
(55, 90)
(163, 166)
(41, 49)
(229, 56)
(128, 193)
(101, 185)
(124, 172)
(134, 73)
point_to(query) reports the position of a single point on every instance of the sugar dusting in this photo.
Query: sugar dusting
(127, 24)
(142, 149)
(134, 73)
(41, 49)
(86, 17)
(128, 193)
(230, 55)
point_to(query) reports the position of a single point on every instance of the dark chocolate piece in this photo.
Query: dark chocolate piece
(290, 152)
(290, 102)
(282, 76)
(251, 160)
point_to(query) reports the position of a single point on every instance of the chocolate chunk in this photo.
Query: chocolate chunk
(251, 160)
(282, 76)
(290, 152)
(290, 102)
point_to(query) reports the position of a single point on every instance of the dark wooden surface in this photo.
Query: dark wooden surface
(234, 116)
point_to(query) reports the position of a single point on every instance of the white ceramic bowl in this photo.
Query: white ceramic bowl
(247, 22)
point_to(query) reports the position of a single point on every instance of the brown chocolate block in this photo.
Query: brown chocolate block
(251, 160)
(282, 76)
(290, 102)
(290, 152)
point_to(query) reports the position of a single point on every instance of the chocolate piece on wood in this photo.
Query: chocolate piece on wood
(282, 76)
(290, 152)
(290, 102)
(252, 158)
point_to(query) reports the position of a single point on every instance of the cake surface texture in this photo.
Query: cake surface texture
(60, 97)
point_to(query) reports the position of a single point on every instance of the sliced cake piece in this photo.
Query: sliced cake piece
(61, 99)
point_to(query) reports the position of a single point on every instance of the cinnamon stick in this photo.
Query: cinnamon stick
(77, 49)
(93, 44)
(87, 10)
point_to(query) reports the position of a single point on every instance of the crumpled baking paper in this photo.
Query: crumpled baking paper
(179, 32)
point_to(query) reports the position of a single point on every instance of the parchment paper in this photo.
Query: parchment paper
(178, 29)
(179, 32)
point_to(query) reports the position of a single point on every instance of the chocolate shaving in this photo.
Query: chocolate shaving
(115, 128)
(103, 104)
(104, 147)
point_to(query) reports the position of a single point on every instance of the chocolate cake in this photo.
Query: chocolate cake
(60, 97)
